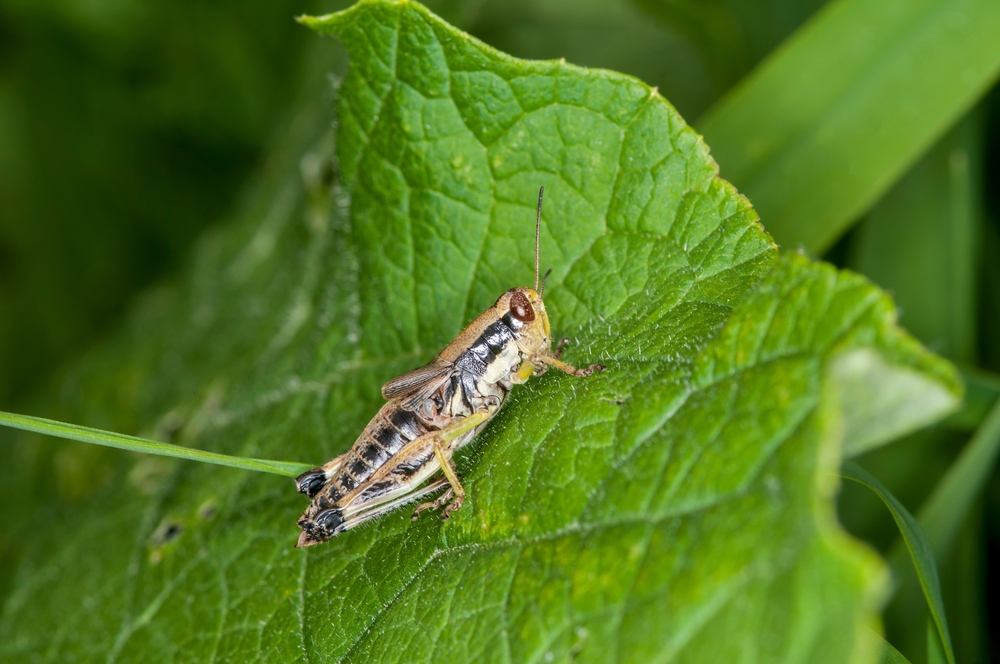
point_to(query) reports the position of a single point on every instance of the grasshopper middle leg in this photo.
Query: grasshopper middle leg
(456, 492)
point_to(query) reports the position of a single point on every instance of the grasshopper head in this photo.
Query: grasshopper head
(523, 311)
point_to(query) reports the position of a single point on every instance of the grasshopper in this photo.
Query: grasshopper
(430, 413)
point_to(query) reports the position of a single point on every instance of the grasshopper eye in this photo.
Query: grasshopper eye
(521, 309)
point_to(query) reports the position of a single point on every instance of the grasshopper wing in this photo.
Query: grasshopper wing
(428, 376)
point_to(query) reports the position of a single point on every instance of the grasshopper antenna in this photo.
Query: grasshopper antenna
(544, 277)
(538, 228)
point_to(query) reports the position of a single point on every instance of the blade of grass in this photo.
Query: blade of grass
(134, 444)
(817, 132)
(943, 513)
(935, 653)
(918, 546)
(732, 35)
(889, 654)
(920, 242)
(944, 518)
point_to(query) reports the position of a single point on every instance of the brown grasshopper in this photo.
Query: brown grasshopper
(431, 412)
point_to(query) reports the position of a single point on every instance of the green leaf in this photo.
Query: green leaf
(134, 444)
(613, 34)
(828, 122)
(685, 492)
(919, 547)
(886, 400)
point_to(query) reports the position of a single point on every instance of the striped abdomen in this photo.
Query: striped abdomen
(383, 438)
(351, 486)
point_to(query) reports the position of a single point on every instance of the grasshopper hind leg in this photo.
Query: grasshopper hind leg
(455, 488)
(332, 522)
(433, 504)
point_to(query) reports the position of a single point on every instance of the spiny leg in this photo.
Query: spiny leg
(402, 498)
(560, 347)
(567, 368)
(456, 486)
(433, 504)
(446, 435)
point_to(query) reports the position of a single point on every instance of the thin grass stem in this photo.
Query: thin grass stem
(135, 444)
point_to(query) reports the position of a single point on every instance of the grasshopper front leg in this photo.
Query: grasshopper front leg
(538, 364)
(549, 360)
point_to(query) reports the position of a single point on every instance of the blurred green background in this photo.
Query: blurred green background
(127, 128)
